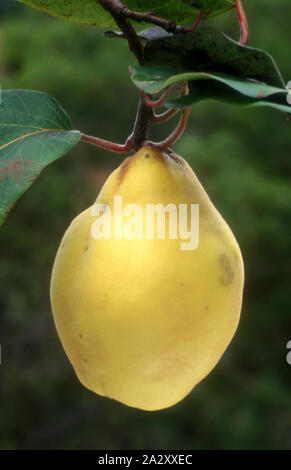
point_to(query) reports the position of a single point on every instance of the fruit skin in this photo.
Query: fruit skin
(142, 321)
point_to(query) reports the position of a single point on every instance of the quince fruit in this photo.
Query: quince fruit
(143, 319)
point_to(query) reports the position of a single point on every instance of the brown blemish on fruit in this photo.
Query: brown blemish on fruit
(124, 168)
(228, 273)
(88, 243)
(80, 336)
(170, 366)
(175, 157)
(207, 307)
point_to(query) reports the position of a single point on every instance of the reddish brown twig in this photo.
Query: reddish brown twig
(106, 144)
(128, 146)
(150, 17)
(158, 118)
(160, 101)
(195, 25)
(121, 10)
(243, 22)
(175, 134)
(118, 12)
(134, 141)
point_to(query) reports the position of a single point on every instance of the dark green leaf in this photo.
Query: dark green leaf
(214, 86)
(218, 91)
(216, 68)
(152, 80)
(209, 50)
(34, 131)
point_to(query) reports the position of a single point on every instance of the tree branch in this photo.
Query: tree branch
(150, 17)
(118, 12)
(121, 14)
(140, 131)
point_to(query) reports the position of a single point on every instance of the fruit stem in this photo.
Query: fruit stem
(140, 131)
(136, 139)
(243, 22)
(175, 134)
(120, 14)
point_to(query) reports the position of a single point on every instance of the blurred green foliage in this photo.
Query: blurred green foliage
(243, 159)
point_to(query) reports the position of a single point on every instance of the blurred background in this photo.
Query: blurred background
(242, 157)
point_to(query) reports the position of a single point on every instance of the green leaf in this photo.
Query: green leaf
(34, 131)
(91, 12)
(209, 50)
(212, 86)
(207, 90)
(153, 81)
(216, 68)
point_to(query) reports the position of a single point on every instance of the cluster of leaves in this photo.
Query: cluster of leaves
(215, 66)
(36, 131)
